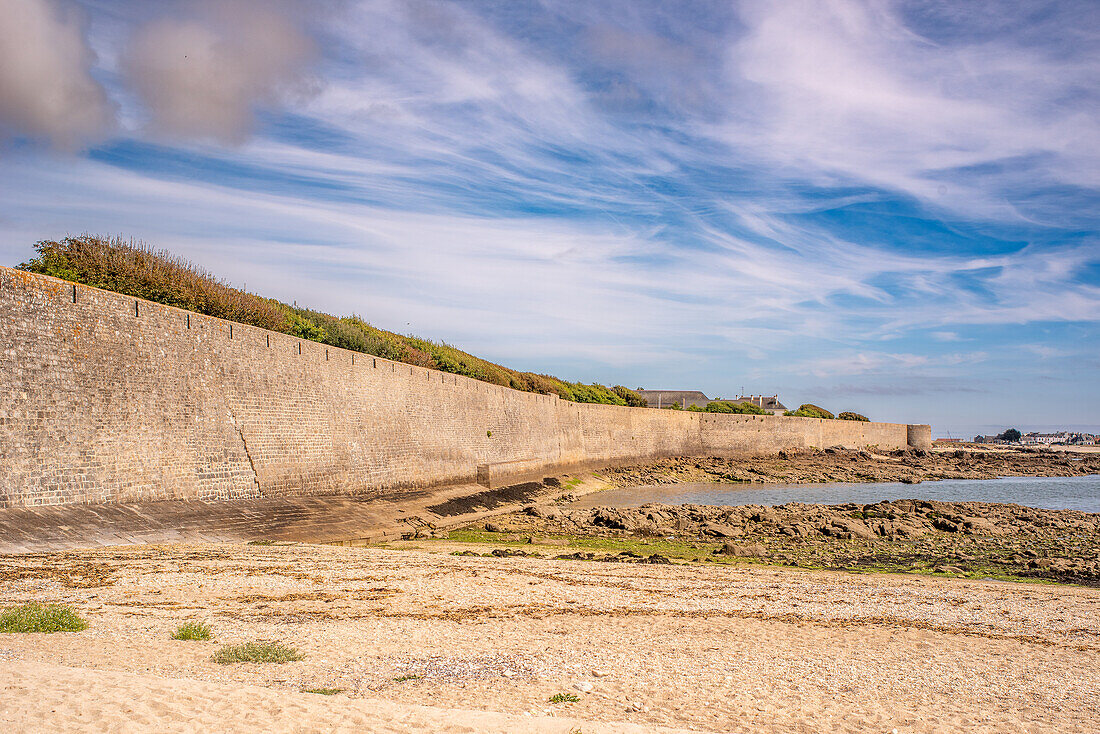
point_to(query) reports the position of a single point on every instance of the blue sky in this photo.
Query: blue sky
(888, 207)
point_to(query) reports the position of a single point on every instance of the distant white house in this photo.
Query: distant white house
(1060, 438)
(1039, 439)
(769, 403)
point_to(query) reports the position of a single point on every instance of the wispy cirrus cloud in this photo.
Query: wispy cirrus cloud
(939, 110)
(862, 363)
(901, 386)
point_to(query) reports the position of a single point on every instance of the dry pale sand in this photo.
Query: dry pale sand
(748, 649)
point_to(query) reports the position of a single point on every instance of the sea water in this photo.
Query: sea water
(1054, 493)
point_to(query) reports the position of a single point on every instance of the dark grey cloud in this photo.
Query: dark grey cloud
(47, 91)
(204, 74)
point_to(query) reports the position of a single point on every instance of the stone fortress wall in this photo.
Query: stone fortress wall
(106, 398)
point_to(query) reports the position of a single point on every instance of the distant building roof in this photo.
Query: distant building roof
(665, 398)
(685, 398)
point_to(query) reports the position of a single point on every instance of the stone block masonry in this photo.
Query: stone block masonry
(106, 398)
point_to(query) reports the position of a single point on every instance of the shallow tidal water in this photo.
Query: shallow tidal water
(1052, 493)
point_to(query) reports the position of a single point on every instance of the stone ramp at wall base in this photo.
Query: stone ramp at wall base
(325, 519)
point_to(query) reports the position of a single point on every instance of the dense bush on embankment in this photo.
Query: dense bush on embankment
(809, 410)
(725, 406)
(138, 270)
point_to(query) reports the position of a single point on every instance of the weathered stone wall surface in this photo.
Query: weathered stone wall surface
(106, 398)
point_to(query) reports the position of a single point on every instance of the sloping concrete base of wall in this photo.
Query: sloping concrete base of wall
(335, 519)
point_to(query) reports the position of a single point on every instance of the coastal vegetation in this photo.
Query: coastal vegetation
(261, 651)
(721, 406)
(193, 631)
(725, 406)
(139, 270)
(809, 410)
(36, 617)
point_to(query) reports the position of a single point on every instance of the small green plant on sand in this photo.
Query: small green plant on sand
(323, 691)
(193, 631)
(407, 676)
(35, 617)
(260, 651)
(564, 698)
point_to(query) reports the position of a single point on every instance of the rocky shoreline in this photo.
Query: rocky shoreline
(845, 465)
(974, 539)
(956, 538)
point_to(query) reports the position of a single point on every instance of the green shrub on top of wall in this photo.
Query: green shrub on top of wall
(740, 408)
(850, 416)
(630, 397)
(809, 410)
(138, 270)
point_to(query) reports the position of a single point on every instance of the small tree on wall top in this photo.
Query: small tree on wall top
(809, 410)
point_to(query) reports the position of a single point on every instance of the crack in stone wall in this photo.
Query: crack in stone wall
(247, 453)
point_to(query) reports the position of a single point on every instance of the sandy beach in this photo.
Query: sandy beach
(422, 640)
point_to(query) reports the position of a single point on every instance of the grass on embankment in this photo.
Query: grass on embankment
(35, 617)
